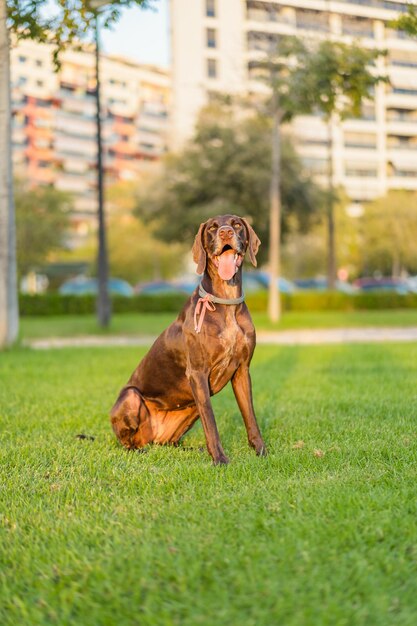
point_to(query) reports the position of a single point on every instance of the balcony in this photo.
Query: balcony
(401, 146)
(400, 181)
(379, 4)
(357, 27)
(39, 154)
(261, 41)
(74, 184)
(85, 150)
(312, 20)
(355, 172)
(266, 12)
(402, 126)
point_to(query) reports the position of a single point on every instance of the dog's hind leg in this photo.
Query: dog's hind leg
(130, 419)
(170, 426)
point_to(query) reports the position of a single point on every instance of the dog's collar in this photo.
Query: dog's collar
(204, 294)
(207, 301)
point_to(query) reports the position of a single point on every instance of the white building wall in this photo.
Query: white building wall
(388, 158)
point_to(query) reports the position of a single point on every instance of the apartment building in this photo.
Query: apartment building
(54, 126)
(215, 44)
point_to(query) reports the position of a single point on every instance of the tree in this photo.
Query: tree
(338, 78)
(226, 168)
(151, 260)
(284, 70)
(408, 21)
(42, 219)
(71, 22)
(8, 282)
(304, 254)
(389, 231)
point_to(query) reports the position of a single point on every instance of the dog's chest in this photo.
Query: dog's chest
(231, 345)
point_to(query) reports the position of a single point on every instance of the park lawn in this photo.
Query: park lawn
(321, 532)
(154, 323)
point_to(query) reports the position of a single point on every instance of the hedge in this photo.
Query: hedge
(55, 304)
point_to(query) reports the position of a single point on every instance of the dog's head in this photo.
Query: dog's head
(224, 240)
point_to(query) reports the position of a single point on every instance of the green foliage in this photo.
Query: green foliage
(407, 22)
(42, 218)
(338, 77)
(226, 168)
(304, 254)
(136, 255)
(284, 70)
(381, 240)
(55, 304)
(69, 22)
(320, 532)
(389, 234)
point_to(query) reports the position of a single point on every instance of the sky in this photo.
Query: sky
(142, 35)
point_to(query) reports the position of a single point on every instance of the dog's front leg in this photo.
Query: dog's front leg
(200, 388)
(242, 388)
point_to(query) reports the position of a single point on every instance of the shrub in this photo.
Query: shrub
(55, 304)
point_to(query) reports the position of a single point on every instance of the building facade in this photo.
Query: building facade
(215, 44)
(54, 126)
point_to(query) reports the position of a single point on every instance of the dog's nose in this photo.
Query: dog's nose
(225, 232)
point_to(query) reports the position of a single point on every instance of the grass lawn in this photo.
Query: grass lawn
(321, 532)
(154, 323)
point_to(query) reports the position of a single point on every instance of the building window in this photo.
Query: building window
(211, 8)
(22, 59)
(38, 63)
(212, 68)
(211, 38)
(39, 83)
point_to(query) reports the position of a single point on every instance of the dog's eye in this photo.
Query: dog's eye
(213, 228)
(237, 226)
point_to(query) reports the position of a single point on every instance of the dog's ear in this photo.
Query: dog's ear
(253, 242)
(199, 252)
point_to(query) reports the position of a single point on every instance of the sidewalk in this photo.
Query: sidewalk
(285, 338)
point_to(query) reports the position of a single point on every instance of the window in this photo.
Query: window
(38, 63)
(212, 68)
(211, 38)
(22, 59)
(211, 8)
(39, 83)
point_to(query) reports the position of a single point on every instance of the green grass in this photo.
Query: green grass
(145, 324)
(92, 535)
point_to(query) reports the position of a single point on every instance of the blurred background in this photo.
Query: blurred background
(186, 132)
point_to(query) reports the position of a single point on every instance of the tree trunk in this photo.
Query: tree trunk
(103, 299)
(396, 265)
(9, 314)
(331, 243)
(274, 301)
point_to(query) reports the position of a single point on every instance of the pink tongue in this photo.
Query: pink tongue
(227, 265)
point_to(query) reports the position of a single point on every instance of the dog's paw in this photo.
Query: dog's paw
(260, 448)
(262, 451)
(220, 459)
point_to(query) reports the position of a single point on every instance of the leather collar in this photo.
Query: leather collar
(204, 294)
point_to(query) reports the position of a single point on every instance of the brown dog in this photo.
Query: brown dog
(210, 343)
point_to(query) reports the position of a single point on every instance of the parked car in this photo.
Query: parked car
(412, 283)
(82, 285)
(258, 280)
(159, 288)
(397, 285)
(320, 284)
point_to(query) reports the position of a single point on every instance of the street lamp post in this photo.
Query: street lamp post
(103, 304)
